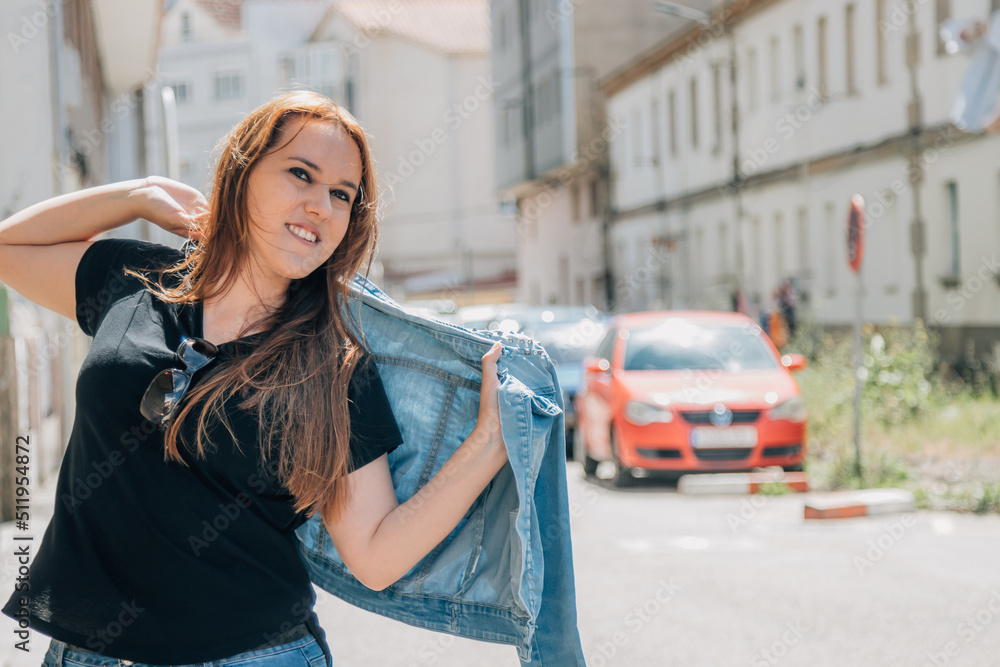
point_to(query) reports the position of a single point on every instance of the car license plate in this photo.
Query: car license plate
(730, 436)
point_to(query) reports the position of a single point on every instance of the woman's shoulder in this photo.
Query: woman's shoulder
(144, 254)
(114, 259)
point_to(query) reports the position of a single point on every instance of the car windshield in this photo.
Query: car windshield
(567, 344)
(680, 344)
(568, 334)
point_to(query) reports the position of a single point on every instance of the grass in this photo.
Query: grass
(938, 439)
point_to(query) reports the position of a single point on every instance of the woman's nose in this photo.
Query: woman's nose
(318, 201)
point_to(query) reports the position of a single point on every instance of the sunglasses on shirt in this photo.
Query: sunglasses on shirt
(164, 394)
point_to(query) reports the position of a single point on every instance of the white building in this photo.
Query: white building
(552, 136)
(221, 57)
(74, 78)
(415, 74)
(418, 78)
(834, 97)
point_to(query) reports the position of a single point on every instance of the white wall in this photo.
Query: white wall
(795, 226)
(429, 117)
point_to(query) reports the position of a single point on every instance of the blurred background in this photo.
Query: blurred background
(640, 185)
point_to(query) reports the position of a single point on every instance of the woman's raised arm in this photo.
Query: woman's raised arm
(379, 539)
(41, 246)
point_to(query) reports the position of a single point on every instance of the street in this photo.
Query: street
(666, 579)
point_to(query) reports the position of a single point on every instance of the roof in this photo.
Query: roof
(225, 12)
(684, 36)
(450, 26)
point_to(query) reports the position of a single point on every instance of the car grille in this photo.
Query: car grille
(701, 416)
(786, 450)
(723, 453)
(650, 453)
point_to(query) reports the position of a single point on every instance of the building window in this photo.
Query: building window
(636, 138)
(821, 56)
(723, 251)
(698, 269)
(852, 86)
(564, 283)
(804, 251)
(952, 187)
(942, 12)
(758, 259)
(800, 57)
(286, 70)
(594, 198)
(540, 109)
(717, 108)
(834, 250)
(779, 246)
(654, 127)
(186, 31)
(752, 79)
(556, 93)
(880, 44)
(775, 70)
(182, 91)
(574, 202)
(672, 113)
(694, 112)
(228, 85)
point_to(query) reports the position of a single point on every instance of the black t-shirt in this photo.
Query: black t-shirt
(148, 560)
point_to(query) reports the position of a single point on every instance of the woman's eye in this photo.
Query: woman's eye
(299, 169)
(340, 194)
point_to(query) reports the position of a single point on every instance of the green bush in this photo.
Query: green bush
(899, 386)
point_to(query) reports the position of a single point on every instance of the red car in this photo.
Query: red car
(686, 391)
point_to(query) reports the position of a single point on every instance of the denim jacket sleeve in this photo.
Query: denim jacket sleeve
(505, 573)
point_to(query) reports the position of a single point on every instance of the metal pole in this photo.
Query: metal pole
(858, 380)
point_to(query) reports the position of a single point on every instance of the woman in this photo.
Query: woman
(224, 401)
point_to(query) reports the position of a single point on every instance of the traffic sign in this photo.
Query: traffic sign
(856, 233)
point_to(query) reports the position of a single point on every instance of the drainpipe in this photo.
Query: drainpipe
(737, 182)
(916, 171)
(529, 92)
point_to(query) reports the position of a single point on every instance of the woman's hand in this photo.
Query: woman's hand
(174, 206)
(488, 423)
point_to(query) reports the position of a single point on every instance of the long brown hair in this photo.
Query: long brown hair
(296, 379)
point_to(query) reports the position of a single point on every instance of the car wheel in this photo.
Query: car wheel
(795, 468)
(622, 475)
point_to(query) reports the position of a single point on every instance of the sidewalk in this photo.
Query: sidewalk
(40, 513)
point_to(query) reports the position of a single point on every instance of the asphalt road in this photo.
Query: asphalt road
(666, 579)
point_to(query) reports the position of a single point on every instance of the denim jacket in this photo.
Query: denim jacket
(505, 573)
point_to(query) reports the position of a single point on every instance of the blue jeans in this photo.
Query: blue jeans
(304, 652)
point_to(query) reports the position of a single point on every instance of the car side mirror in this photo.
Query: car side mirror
(794, 362)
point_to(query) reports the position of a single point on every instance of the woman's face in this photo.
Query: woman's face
(300, 199)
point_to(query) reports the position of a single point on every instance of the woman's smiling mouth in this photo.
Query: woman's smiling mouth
(302, 233)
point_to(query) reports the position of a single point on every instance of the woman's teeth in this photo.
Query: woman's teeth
(302, 234)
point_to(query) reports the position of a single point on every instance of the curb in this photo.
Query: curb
(866, 502)
(739, 482)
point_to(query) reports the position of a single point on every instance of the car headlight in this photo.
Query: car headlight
(793, 410)
(640, 413)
